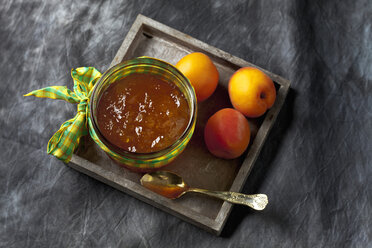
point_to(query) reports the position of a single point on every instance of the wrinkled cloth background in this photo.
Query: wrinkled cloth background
(315, 165)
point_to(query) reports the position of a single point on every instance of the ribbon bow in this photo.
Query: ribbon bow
(64, 142)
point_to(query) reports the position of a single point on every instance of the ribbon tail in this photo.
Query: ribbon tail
(56, 92)
(65, 141)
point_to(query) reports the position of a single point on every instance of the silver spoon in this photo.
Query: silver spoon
(170, 185)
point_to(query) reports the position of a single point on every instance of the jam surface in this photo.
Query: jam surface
(142, 113)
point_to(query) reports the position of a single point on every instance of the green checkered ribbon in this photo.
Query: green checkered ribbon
(64, 142)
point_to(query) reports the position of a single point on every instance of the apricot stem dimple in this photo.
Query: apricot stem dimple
(262, 95)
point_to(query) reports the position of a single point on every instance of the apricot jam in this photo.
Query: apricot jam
(142, 113)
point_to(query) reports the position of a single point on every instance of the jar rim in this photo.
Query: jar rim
(137, 62)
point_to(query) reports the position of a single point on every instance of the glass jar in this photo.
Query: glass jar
(142, 162)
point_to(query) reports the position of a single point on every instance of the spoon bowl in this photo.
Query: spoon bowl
(165, 183)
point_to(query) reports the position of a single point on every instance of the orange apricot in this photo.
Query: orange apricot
(227, 133)
(251, 91)
(201, 72)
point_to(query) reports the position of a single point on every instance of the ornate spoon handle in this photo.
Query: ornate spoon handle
(257, 201)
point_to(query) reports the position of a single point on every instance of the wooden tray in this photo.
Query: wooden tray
(198, 167)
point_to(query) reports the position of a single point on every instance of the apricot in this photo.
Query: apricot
(227, 133)
(251, 91)
(201, 72)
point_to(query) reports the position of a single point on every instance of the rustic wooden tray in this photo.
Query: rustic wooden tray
(198, 167)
